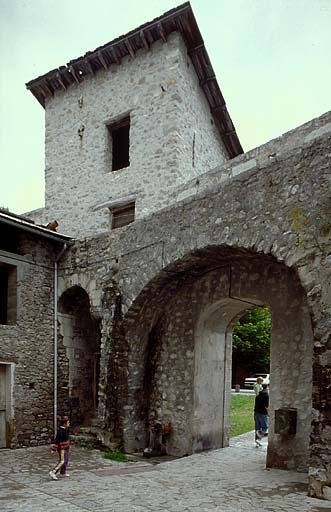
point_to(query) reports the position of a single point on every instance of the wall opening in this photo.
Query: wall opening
(81, 336)
(122, 215)
(149, 377)
(119, 142)
(8, 294)
(212, 375)
(199, 304)
(251, 336)
(251, 347)
(10, 239)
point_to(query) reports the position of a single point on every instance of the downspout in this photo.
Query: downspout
(59, 256)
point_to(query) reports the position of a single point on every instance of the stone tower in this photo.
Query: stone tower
(129, 123)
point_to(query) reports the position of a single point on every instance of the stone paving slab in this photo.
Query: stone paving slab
(233, 479)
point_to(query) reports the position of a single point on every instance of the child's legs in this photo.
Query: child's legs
(61, 461)
(66, 460)
(258, 421)
(264, 423)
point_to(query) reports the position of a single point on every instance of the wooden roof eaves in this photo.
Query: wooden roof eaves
(179, 19)
(119, 42)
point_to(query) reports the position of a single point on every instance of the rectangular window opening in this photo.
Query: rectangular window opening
(10, 239)
(8, 294)
(119, 141)
(122, 215)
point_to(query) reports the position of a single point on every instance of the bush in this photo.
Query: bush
(251, 341)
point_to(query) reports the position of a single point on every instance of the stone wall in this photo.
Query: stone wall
(40, 216)
(28, 344)
(172, 138)
(277, 208)
(257, 159)
(200, 147)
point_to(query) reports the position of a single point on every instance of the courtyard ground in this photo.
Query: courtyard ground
(232, 479)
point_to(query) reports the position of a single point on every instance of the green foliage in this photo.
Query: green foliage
(241, 416)
(118, 456)
(251, 340)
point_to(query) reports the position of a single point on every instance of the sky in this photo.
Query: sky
(272, 59)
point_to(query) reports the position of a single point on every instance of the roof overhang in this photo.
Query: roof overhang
(181, 19)
(15, 221)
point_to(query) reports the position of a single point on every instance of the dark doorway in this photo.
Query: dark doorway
(81, 342)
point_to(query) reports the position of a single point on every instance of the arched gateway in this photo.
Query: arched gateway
(169, 288)
(79, 356)
(180, 356)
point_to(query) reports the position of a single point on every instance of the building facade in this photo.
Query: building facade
(27, 257)
(129, 123)
(177, 235)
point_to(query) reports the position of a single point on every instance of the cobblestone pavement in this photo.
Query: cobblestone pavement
(231, 479)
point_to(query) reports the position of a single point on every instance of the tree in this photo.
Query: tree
(251, 341)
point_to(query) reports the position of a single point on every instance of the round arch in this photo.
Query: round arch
(190, 309)
(79, 355)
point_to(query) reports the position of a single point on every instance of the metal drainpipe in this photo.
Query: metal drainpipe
(64, 248)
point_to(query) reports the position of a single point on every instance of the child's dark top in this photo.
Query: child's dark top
(262, 402)
(61, 441)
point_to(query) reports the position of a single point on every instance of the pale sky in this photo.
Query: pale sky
(272, 59)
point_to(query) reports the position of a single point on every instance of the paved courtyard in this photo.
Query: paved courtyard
(233, 479)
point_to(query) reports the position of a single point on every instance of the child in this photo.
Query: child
(61, 446)
(261, 414)
(258, 385)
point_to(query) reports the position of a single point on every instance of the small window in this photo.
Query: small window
(119, 142)
(8, 294)
(122, 215)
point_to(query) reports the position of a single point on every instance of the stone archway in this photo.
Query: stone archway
(79, 354)
(192, 306)
(212, 373)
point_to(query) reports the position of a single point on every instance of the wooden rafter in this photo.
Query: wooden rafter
(73, 72)
(129, 47)
(115, 56)
(61, 82)
(41, 89)
(185, 21)
(102, 60)
(48, 87)
(229, 133)
(179, 24)
(144, 40)
(195, 49)
(162, 32)
(89, 66)
(219, 108)
(204, 81)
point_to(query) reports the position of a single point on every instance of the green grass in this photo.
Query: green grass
(118, 456)
(241, 415)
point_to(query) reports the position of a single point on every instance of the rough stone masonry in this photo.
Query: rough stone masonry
(167, 290)
(215, 234)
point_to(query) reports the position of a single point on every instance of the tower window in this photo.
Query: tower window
(122, 215)
(119, 141)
